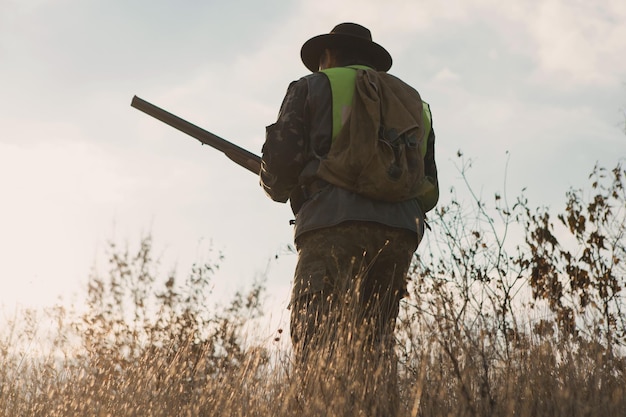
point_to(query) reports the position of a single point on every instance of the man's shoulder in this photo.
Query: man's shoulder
(396, 84)
(390, 78)
(304, 82)
(311, 76)
(313, 83)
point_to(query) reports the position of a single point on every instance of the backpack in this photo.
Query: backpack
(380, 133)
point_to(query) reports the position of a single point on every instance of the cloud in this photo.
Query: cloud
(446, 75)
(499, 76)
(580, 42)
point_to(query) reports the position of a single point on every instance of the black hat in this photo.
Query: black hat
(348, 35)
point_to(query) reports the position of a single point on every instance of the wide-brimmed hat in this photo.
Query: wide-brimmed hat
(345, 35)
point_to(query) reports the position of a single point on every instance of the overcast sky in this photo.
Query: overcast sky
(544, 80)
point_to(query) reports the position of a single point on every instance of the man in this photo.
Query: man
(354, 249)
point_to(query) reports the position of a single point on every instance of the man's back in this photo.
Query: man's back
(354, 249)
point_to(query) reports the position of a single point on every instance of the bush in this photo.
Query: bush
(476, 338)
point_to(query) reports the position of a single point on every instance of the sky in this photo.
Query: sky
(540, 84)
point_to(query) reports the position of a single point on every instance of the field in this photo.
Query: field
(534, 327)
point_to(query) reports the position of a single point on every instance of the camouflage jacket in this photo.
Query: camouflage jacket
(294, 144)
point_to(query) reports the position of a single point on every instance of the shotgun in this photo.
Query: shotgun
(237, 154)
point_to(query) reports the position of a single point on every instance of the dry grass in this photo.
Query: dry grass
(467, 341)
(169, 369)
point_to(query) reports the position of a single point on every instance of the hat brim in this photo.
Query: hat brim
(313, 48)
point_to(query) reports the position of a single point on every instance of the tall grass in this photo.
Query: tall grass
(476, 335)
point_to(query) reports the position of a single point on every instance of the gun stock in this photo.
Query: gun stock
(237, 154)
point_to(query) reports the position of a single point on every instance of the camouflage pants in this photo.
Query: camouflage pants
(348, 284)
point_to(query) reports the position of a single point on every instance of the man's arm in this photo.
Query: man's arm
(430, 167)
(428, 200)
(284, 151)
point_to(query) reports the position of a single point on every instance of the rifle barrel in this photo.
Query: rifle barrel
(237, 154)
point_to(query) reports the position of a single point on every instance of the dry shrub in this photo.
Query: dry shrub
(493, 328)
